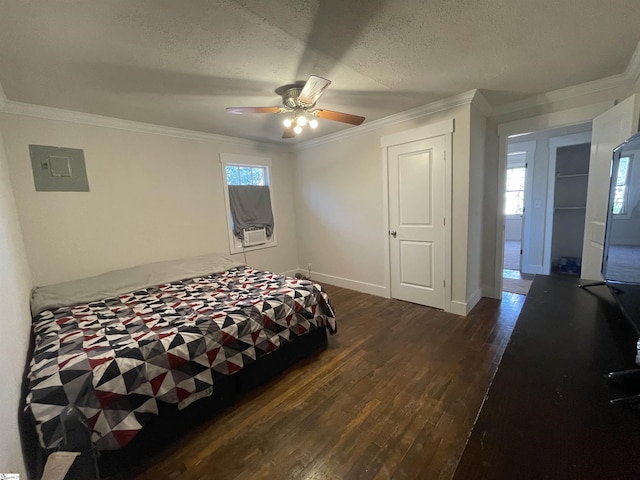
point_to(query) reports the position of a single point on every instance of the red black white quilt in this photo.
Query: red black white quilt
(161, 344)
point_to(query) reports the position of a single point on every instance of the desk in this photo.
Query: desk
(547, 413)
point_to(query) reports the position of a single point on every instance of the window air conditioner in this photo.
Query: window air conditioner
(254, 237)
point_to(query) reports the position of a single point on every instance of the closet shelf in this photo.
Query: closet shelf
(572, 175)
(571, 208)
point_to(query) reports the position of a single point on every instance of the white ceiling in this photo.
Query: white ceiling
(180, 63)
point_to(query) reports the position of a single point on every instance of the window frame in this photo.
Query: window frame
(235, 244)
(625, 202)
(516, 162)
(251, 168)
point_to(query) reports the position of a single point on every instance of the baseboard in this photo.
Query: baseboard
(491, 292)
(459, 308)
(370, 288)
(292, 273)
(463, 308)
(533, 269)
(473, 300)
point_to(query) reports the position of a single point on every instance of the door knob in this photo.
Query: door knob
(393, 233)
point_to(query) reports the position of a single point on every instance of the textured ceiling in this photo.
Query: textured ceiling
(180, 63)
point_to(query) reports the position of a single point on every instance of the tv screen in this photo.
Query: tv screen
(621, 256)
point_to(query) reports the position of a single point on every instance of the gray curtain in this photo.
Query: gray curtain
(250, 208)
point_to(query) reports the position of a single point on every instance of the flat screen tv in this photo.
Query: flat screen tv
(621, 256)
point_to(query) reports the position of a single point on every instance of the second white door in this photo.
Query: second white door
(609, 130)
(416, 221)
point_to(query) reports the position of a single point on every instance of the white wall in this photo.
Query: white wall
(152, 197)
(476, 204)
(339, 216)
(339, 205)
(513, 228)
(15, 322)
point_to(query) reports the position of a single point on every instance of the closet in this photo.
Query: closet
(569, 207)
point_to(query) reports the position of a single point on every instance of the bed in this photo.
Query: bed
(121, 345)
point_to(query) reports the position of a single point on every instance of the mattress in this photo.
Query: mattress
(116, 358)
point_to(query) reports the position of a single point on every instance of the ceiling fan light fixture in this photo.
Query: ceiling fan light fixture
(299, 101)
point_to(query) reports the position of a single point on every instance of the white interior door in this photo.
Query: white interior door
(416, 221)
(609, 130)
(522, 154)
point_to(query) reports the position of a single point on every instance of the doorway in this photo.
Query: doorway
(530, 202)
(609, 126)
(566, 203)
(416, 209)
(417, 202)
(520, 161)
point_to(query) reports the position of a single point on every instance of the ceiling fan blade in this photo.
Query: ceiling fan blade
(253, 109)
(288, 132)
(312, 90)
(339, 117)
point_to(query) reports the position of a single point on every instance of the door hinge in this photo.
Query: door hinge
(526, 165)
(444, 221)
(444, 283)
(521, 252)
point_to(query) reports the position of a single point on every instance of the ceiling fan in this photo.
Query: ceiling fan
(300, 101)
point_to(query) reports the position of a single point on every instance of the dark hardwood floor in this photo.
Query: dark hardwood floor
(394, 395)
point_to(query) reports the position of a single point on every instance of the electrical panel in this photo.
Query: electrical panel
(58, 169)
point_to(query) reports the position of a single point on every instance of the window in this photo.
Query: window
(514, 195)
(245, 175)
(620, 192)
(246, 171)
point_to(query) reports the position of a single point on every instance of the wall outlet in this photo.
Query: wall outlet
(309, 266)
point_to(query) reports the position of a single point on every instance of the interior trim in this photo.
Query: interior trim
(29, 110)
(630, 75)
(426, 131)
(358, 286)
(462, 99)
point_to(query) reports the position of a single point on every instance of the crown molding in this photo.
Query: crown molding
(481, 102)
(50, 113)
(630, 75)
(594, 86)
(475, 97)
(633, 69)
(562, 118)
(461, 99)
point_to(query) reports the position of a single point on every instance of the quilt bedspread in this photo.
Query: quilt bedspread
(116, 358)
